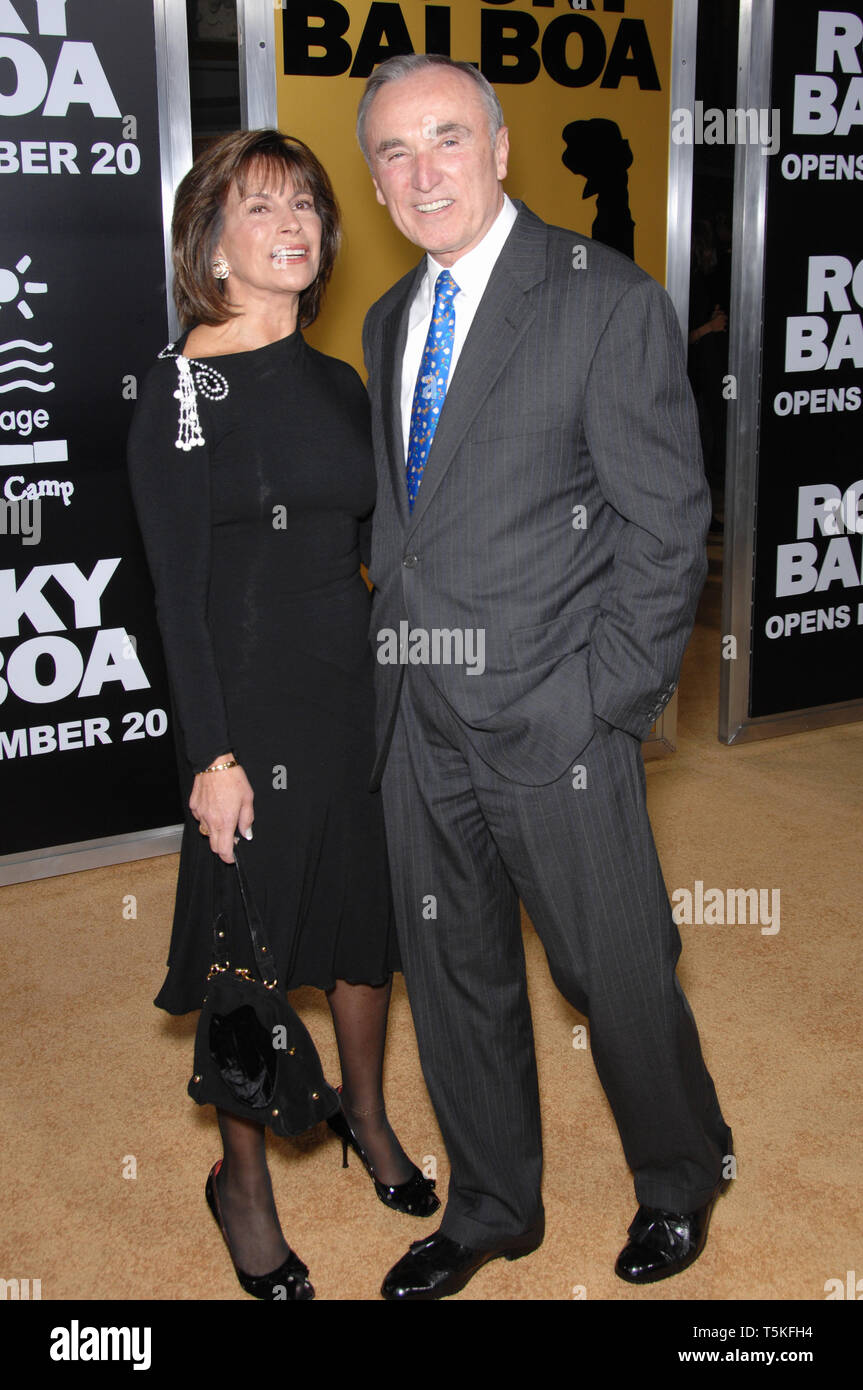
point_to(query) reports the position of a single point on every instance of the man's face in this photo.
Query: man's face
(433, 163)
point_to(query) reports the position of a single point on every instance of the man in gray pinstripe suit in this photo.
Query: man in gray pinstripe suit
(558, 529)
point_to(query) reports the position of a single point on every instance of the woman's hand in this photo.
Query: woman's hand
(221, 803)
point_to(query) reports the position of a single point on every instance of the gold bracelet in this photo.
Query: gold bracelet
(221, 767)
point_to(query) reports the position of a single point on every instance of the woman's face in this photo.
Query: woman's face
(270, 237)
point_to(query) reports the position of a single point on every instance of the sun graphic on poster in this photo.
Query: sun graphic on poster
(10, 287)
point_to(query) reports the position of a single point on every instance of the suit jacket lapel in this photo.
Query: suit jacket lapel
(500, 323)
(394, 339)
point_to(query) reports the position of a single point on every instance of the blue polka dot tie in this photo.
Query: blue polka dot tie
(430, 389)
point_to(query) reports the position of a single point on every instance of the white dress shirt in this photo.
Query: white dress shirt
(471, 273)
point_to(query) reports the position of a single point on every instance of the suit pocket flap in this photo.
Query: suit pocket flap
(551, 642)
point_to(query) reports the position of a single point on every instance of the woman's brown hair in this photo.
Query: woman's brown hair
(199, 209)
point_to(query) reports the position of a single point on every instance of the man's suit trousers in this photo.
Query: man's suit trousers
(465, 844)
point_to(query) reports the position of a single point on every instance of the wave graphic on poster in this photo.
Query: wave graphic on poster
(27, 386)
(26, 365)
(25, 343)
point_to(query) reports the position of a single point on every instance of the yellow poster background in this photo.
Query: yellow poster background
(321, 110)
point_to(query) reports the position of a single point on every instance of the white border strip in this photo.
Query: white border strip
(175, 121)
(256, 37)
(89, 854)
(681, 160)
(678, 236)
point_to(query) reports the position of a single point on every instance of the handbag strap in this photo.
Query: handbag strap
(264, 959)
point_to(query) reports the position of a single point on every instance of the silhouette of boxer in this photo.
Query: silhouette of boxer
(597, 150)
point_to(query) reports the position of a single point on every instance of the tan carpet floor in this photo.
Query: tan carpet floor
(94, 1076)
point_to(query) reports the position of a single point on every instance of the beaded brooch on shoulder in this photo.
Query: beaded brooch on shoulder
(208, 381)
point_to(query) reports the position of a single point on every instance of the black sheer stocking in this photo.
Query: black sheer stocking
(360, 1020)
(243, 1188)
(245, 1198)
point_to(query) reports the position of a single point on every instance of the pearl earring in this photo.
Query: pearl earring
(221, 269)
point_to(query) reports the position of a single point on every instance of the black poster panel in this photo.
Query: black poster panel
(85, 745)
(807, 616)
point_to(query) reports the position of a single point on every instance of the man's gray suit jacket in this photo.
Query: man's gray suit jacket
(563, 508)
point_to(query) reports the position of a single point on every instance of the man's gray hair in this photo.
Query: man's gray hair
(403, 65)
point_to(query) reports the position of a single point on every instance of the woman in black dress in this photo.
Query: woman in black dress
(251, 470)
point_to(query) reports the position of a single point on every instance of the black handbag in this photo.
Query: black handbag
(253, 1054)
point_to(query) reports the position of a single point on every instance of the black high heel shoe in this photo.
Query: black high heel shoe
(289, 1277)
(415, 1197)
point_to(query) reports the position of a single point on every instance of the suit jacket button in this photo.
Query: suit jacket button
(410, 562)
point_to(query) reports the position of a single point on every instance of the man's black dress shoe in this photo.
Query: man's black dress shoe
(437, 1267)
(662, 1243)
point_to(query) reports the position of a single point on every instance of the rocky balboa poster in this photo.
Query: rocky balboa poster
(585, 90)
(85, 751)
(807, 616)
